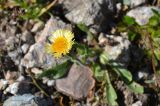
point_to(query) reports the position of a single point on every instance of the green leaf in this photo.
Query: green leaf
(84, 50)
(129, 20)
(81, 48)
(131, 35)
(121, 27)
(125, 75)
(157, 54)
(153, 21)
(104, 58)
(135, 87)
(149, 81)
(111, 95)
(150, 29)
(157, 57)
(157, 32)
(98, 72)
(90, 36)
(156, 12)
(83, 27)
(57, 71)
(122, 72)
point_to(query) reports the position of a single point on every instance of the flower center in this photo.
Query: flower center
(60, 45)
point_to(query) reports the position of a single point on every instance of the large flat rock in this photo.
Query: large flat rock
(78, 83)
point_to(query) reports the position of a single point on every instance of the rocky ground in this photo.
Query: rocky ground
(23, 56)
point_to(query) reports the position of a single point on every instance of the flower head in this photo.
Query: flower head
(60, 43)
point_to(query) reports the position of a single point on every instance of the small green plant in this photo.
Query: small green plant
(105, 69)
(31, 9)
(148, 35)
(102, 67)
(28, 9)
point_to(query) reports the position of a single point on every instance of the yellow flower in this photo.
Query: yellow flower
(60, 43)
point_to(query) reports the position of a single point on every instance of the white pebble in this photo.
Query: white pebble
(25, 48)
(45, 80)
(138, 103)
(21, 78)
(13, 88)
(3, 84)
(51, 83)
(37, 27)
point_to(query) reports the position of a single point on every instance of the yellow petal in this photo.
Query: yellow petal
(61, 43)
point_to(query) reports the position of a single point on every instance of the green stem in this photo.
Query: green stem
(74, 60)
(35, 83)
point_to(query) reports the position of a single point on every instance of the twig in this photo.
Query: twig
(35, 83)
(45, 9)
(158, 3)
(154, 2)
(152, 50)
(61, 101)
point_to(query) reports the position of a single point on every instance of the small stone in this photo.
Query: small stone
(38, 26)
(79, 104)
(78, 83)
(3, 84)
(18, 35)
(27, 37)
(12, 88)
(52, 96)
(138, 103)
(11, 30)
(2, 39)
(51, 83)
(102, 39)
(39, 94)
(117, 49)
(6, 90)
(45, 80)
(25, 48)
(36, 71)
(119, 6)
(11, 76)
(9, 43)
(93, 13)
(21, 78)
(37, 35)
(134, 3)
(21, 69)
(16, 55)
(140, 75)
(143, 73)
(13, 22)
(142, 14)
(25, 99)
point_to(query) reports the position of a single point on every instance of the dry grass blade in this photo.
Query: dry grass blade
(35, 83)
(45, 9)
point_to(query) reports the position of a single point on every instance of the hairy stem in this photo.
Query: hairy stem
(36, 84)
